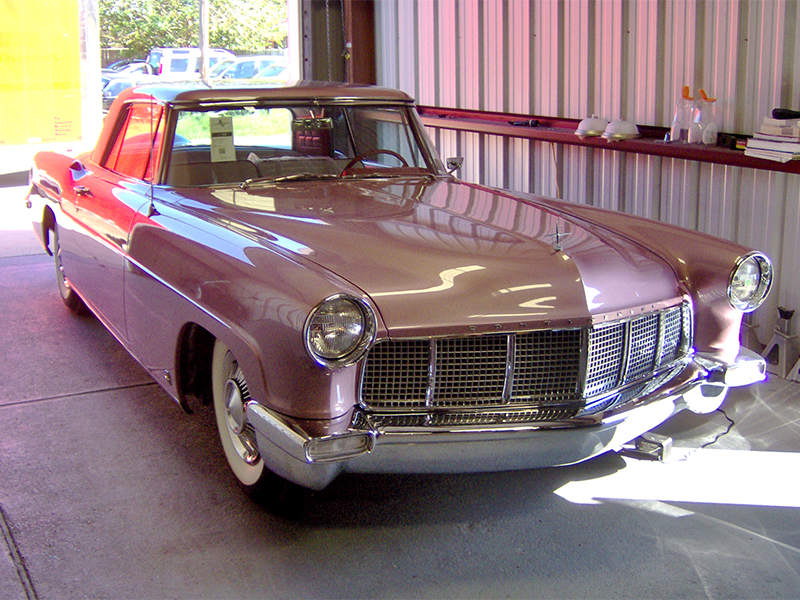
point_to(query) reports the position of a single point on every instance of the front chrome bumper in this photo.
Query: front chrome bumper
(314, 461)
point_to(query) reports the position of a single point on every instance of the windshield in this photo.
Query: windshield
(280, 143)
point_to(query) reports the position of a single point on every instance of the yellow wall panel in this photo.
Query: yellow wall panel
(40, 71)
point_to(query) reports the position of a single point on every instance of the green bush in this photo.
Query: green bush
(243, 26)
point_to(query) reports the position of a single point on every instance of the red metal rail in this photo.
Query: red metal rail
(562, 131)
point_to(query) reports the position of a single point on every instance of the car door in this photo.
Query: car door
(106, 197)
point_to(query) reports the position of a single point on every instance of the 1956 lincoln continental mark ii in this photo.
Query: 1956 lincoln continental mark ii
(299, 258)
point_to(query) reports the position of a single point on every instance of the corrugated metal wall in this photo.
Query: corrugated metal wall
(617, 59)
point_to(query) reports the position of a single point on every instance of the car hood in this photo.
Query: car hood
(440, 255)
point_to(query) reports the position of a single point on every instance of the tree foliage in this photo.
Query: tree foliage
(243, 26)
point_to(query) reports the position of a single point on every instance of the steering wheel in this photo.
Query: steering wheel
(361, 157)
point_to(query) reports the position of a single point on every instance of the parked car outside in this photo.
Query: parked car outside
(130, 69)
(115, 85)
(247, 67)
(183, 63)
(120, 64)
(220, 66)
(298, 259)
(277, 72)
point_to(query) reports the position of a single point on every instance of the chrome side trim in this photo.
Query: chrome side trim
(511, 358)
(431, 390)
(627, 337)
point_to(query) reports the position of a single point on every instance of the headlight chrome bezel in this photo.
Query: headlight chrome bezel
(757, 297)
(353, 351)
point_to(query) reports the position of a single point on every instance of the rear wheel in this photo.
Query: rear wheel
(70, 298)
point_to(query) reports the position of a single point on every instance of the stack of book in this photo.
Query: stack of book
(776, 139)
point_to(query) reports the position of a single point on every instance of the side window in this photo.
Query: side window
(385, 129)
(138, 144)
(179, 65)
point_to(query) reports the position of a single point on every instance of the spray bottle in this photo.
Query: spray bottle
(704, 125)
(683, 117)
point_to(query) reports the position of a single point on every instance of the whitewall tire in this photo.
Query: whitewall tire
(238, 438)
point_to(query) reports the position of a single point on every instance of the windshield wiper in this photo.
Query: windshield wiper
(293, 177)
(385, 175)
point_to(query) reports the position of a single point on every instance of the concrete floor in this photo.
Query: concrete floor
(107, 489)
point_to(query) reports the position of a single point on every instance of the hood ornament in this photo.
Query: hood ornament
(557, 236)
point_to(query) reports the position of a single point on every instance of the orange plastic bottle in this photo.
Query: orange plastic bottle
(704, 128)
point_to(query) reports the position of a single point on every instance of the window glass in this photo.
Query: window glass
(272, 70)
(179, 65)
(232, 145)
(137, 147)
(154, 58)
(379, 132)
(251, 127)
(244, 69)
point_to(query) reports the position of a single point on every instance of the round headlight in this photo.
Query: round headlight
(339, 330)
(750, 281)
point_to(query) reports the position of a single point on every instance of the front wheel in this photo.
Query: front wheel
(238, 438)
(69, 296)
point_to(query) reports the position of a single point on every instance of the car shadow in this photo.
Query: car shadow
(377, 500)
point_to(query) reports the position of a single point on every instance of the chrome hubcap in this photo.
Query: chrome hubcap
(62, 280)
(235, 407)
(235, 396)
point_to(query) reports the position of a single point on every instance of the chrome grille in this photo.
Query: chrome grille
(396, 374)
(642, 355)
(637, 390)
(674, 323)
(454, 419)
(547, 366)
(606, 350)
(470, 370)
(530, 376)
(474, 371)
(624, 352)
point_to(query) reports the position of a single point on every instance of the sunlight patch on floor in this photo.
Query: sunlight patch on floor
(13, 214)
(709, 476)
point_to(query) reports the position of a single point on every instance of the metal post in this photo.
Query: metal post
(359, 40)
(204, 41)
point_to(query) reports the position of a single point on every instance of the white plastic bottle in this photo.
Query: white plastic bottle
(683, 117)
(704, 128)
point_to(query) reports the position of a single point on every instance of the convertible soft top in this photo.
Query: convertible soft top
(241, 91)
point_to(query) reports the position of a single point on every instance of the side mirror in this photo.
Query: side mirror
(77, 170)
(454, 163)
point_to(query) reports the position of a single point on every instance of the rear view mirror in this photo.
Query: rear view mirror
(454, 163)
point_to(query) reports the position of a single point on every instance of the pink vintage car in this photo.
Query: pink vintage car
(298, 258)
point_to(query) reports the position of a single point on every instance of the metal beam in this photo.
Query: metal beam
(359, 49)
(339, 40)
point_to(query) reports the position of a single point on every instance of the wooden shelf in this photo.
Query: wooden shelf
(562, 131)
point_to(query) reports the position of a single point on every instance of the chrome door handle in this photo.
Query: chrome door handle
(81, 190)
